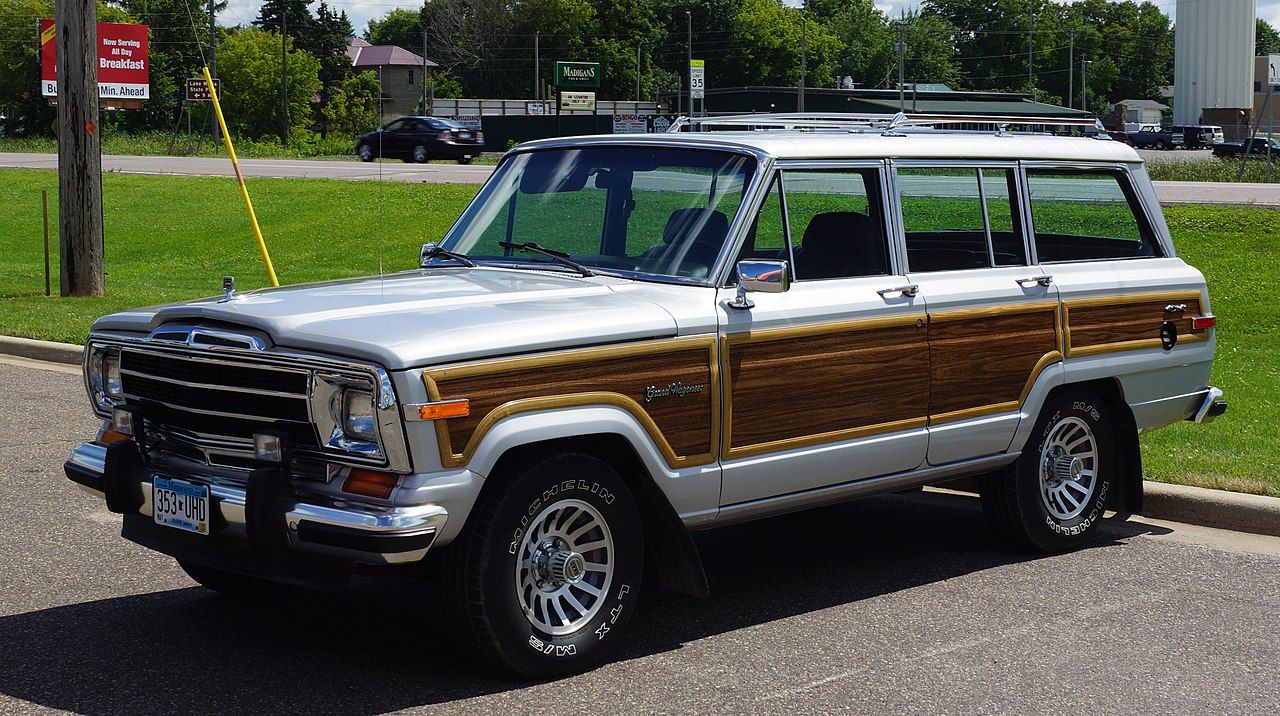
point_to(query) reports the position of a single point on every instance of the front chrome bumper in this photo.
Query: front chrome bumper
(349, 531)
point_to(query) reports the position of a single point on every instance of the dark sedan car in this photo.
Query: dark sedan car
(1258, 145)
(421, 139)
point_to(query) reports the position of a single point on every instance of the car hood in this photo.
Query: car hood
(425, 317)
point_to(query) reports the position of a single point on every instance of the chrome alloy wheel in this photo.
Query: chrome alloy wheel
(420, 154)
(1068, 468)
(564, 567)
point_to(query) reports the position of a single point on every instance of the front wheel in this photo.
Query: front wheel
(1056, 491)
(420, 155)
(1161, 145)
(365, 152)
(545, 577)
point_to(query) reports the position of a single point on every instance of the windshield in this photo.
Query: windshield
(659, 211)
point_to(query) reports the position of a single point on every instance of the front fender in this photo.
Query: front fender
(693, 492)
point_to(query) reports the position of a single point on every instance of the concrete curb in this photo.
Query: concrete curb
(1212, 508)
(42, 350)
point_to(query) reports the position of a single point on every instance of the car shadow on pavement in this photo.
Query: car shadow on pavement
(379, 646)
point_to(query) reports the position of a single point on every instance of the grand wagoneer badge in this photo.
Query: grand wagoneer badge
(678, 389)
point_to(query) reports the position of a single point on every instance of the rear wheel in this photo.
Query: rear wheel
(1056, 491)
(1160, 144)
(545, 577)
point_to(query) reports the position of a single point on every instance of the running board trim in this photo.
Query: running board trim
(842, 492)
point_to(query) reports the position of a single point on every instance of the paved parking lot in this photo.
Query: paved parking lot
(899, 604)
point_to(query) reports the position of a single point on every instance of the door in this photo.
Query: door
(395, 138)
(1122, 289)
(992, 319)
(827, 382)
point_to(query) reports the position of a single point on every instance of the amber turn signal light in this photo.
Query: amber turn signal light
(370, 483)
(445, 409)
(113, 436)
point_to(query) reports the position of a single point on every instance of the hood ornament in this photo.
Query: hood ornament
(228, 289)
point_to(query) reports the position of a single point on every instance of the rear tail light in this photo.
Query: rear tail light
(479, 136)
(1199, 323)
(444, 136)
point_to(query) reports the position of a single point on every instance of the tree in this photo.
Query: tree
(866, 37)
(329, 45)
(931, 49)
(249, 67)
(1268, 39)
(769, 43)
(354, 108)
(398, 27)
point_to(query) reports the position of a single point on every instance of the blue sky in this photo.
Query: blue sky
(360, 11)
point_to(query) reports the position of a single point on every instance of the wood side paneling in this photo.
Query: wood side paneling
(787, 388)
(983, 360)
(1098, 325)
(620, 376)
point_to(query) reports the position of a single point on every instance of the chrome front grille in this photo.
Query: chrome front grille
(217, 401)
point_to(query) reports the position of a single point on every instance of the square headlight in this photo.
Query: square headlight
(358, 419)
(111, 384)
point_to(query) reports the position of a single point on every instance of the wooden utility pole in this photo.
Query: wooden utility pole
(213, 60)
(79, 150)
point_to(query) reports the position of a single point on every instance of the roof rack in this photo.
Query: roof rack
(885, 123)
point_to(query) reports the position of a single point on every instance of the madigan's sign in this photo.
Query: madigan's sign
(578, 75)
(124, 61)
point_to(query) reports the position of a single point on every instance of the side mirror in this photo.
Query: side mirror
(760, 276)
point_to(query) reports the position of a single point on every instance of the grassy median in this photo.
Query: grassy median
(173, 238)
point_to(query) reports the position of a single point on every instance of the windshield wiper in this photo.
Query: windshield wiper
(431, 251)
(559, 257)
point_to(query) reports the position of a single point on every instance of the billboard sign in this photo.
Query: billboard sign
(697, 79)
(124, 61)
(578, 75)
(578, 100)
(630, 124)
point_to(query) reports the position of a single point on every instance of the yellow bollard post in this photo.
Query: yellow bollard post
(244, 192)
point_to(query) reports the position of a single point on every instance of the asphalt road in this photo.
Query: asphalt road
(898, 604)
(1169, 192)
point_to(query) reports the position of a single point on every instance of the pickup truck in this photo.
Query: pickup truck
(1151, 136)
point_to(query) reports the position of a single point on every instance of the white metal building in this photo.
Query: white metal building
(1213, 59)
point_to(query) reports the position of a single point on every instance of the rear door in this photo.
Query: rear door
(992, 318)
(1119, 281)
(827, 382)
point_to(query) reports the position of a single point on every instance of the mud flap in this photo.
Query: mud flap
(120, 485)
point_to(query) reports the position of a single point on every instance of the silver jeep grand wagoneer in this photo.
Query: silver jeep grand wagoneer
(626, 339)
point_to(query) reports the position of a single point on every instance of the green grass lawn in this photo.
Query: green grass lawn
(173, 238)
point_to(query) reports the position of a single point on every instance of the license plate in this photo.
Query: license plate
(180, 504)
(464, 135)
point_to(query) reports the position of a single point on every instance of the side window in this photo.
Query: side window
(1083, 215)
(835, 223)
(998, 190)
(767, 237)
(395, 126)
(943, 218)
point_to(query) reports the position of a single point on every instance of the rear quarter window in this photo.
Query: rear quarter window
(1087, 215)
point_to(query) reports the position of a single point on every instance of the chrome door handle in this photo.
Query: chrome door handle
(1043, 279)
(909, 290)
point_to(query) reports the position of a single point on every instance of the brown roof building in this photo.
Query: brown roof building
(400, 72)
